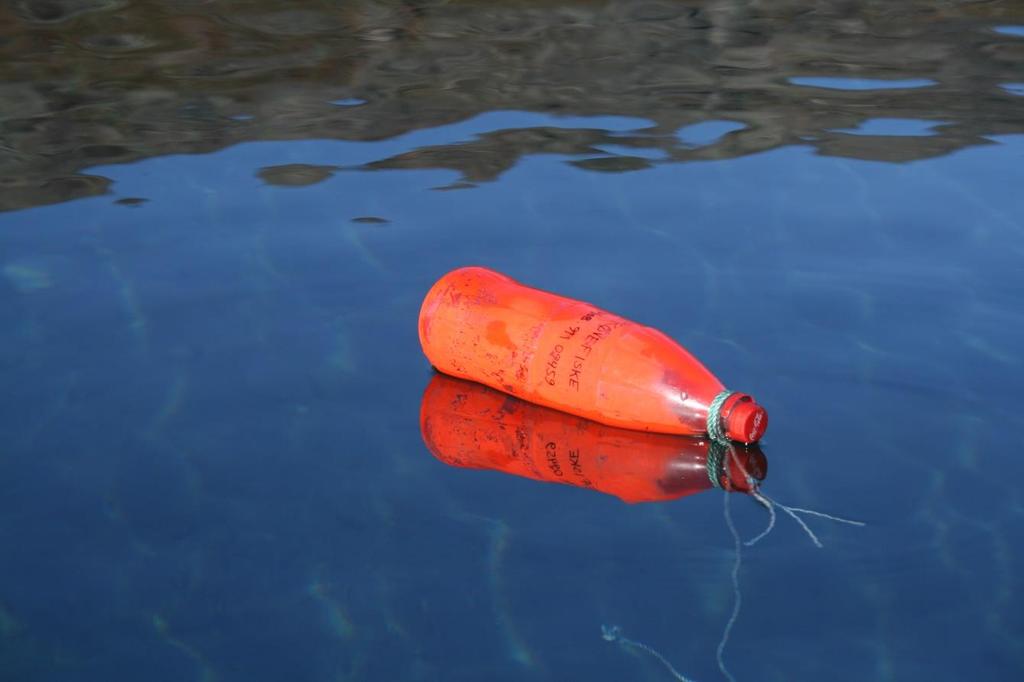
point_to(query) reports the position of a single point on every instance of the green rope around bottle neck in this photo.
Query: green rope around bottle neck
(714, 423)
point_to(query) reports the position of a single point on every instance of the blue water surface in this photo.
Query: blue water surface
(212, 466)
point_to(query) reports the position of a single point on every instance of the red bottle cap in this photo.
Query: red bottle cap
(746, 421)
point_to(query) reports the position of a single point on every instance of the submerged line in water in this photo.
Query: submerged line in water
(737, 596)
(613, 633)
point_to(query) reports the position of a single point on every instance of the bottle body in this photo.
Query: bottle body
(469, 425)
(569, 355)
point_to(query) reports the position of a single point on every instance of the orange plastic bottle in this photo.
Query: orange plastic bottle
(469, 425)
(480, 325)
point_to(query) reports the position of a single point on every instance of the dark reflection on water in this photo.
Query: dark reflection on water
(91, 82)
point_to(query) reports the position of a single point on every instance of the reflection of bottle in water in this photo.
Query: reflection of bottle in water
(470, 425)
(480, 325)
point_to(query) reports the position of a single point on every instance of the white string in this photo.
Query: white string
(827, 516)
(770, 504)
(807, 529)
(766, 503)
